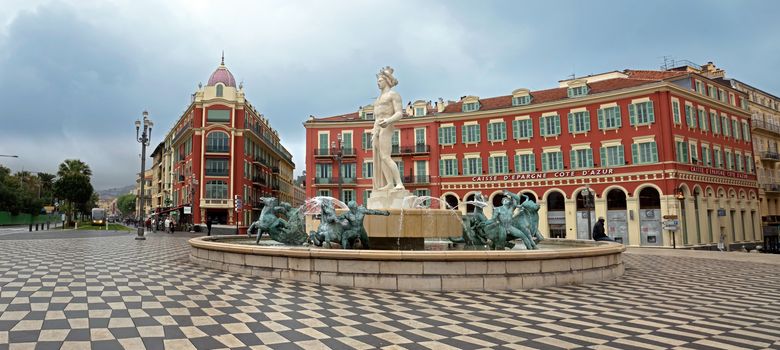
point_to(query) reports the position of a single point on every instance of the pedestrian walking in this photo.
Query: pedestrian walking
(167, 223)
(173, 225)
(208, 226)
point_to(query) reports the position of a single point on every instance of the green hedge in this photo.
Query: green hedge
(23, 219)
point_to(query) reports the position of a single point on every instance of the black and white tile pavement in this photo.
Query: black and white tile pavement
(112, 292)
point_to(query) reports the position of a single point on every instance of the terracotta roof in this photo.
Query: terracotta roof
(653, 74)
(340, 118)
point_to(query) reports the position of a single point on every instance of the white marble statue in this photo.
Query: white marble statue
(387, 110)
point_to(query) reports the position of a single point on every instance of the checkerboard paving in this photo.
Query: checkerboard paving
(112, 292)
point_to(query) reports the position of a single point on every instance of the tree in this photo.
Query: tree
(126, 204)
(9, 196)
(47, 187)
(74, 167)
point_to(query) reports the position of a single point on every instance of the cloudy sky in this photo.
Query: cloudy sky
(76, 74)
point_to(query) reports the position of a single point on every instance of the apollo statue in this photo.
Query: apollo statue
(388, 109)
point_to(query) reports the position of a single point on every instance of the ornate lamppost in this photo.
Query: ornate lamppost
(193, 186)
(589, 201)
(143, 139)
(680, 196)
(337, 153)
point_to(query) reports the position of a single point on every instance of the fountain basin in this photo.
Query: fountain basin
(561, 262)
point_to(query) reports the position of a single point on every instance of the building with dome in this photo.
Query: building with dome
(220, 149)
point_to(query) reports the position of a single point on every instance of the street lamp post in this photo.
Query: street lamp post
(589, 205)
(193, 186)
(680, 196)
(337, 153)
(143, 139)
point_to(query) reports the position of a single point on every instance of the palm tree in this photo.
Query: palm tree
(74, 167)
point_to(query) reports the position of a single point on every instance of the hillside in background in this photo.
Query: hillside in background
(112, 193)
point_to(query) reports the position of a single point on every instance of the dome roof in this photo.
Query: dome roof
(222, 75)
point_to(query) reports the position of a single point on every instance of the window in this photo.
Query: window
(216, 189)
(323, 193)
(367, 143)
(714, 122)
(550, 125)
(718, 160)
(579, 122)
(471, 133)
(448, 167)
(323, 170)
(521, 100)
(216, 167)
(694, 153)
(703, 119)
(447, 135)
(471, 107)
(421, 167)
(676, 112)
(525, 163)
(498, 165)
(748, 163)
(711, 91)
(496, 131)
(419, 136)
(699, 87)
(472, 166)
(644, 153)
(348, 171)
(735, 129)
(609, 118)
(552, 161)
(522, 129)
(689, 116)
(423, 193)
(368, 169)
(346, 143)
(218, 115)
(217, 141)
(724, 124)
(396, 142)
(705, 156)
(732, 100)
(641, 113)
(682, 151)
(368, 115)
(220, 89)
(347, 196)
(578, 91)
(419, 111)
(729, 160)
(739, 165)
(745, 131)
(366, 195)
(581, 158)
(324, 146)
(721, 95)
(612, 156)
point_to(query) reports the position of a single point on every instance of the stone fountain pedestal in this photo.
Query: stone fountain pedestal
(389, 199)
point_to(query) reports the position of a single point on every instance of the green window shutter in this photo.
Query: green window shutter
(557, 120)
(492, 165)
(603, 156)
(517, 163)
(529, 128)
(618, 118)
(560, 160)
(545, 161)
(491, 135)
(654, 152)
(441, 136)
(601, 118)
(543, 126)
(532, 159)
(590, 158)
(515, 129)
(621, 156)
(572, 161)
(651, 114)
(634, 153)
(587, 121)
(479, 136)
(688, 116)
(632, 114)
(464, 132)
(571, 123)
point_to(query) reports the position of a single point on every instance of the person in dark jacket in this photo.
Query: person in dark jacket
(598, 231)
(208, 226)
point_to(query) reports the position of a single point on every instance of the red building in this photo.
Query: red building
(221, 148)
(655, 146)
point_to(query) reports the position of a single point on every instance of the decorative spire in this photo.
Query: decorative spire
(223, 57)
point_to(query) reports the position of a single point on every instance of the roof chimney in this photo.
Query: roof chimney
(440, 105)
(710, 71)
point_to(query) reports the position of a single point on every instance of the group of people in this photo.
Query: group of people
(168, 225)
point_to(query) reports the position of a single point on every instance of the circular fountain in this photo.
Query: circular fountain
(402, 242)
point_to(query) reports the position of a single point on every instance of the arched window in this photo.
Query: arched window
(219, 90)
(217, 141)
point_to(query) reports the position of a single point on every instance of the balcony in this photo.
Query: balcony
(334, 180)
(417, 179)
(771, 156)
(763, 125)
(322, 152)
(329, 152)
(275, 170)
(258, 180)
(771, 188)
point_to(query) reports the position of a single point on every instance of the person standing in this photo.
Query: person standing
(598, 232)
(167, 224)
(208, 226)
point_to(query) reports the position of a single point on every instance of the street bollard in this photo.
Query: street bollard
(30, 227)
